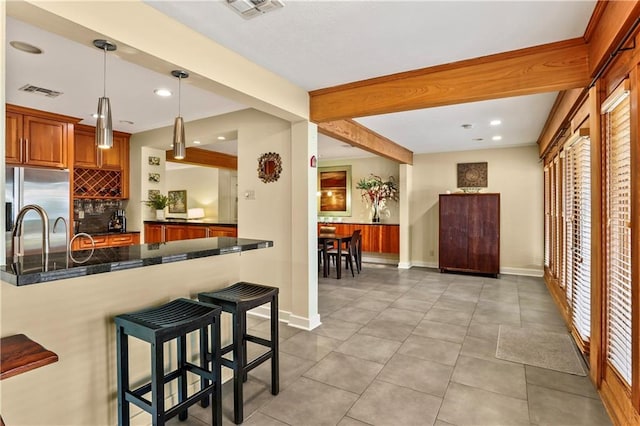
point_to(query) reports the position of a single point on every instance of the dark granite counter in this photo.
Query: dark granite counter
(29, 269)
(204, 221)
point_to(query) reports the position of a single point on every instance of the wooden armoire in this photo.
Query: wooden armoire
(470, 233)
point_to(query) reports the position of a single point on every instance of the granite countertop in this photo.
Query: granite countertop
(29, 269)
(95, 234)
(335, 222)
(203, 221)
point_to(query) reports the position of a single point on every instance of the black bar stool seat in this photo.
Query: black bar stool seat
(156, 326)
(237, 300)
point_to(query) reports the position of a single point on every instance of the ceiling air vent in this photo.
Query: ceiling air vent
(251, 8)
(30, 88)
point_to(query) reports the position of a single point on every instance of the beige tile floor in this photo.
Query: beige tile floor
(414, 347)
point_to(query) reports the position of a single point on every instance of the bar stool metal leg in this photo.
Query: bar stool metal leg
(275, 364)
(123, 377)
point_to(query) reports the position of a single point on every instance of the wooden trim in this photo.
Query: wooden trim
(634, 79)
(204, 157)
(550, 67)
(608, 29)
(42, 114)
(558, 296)
(361, 137)
(564, 108)
(596, 15)
(596, 356)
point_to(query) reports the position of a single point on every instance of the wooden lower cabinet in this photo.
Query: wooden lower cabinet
(102, 241)
(163, 233)
(380, 238)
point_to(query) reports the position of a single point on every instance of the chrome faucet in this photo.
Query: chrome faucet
(17, 248)
(93, 246)
(66, 234)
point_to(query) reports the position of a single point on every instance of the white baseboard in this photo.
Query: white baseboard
(284, 316)
(404, 265)
(528, 272)
(425, 264)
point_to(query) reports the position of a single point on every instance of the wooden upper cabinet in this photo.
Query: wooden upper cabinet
(37, 138)
(88, 155)
(13, 138)
(85, 151)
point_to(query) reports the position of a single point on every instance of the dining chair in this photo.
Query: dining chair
(349, 253)
(324, 230)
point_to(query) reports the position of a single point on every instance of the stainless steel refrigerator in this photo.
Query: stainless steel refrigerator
(45, 187)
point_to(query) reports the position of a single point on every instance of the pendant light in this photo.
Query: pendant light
(179, 144)
(104, 128)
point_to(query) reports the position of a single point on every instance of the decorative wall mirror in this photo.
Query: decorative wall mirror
(334, 190)
(269, 167)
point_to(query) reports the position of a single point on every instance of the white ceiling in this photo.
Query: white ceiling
(316, 44)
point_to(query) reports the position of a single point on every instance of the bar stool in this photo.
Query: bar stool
(156, 326)
(237, 300)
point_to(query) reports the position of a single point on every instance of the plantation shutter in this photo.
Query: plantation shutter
(618, 240)
(578, 235)
(547, 217)
(558, 219)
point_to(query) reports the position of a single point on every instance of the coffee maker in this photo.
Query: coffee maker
(118, 221)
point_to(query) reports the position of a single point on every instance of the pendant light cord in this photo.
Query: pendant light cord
(104, 80)
(179, 93)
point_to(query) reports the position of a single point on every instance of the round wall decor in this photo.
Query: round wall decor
(269, 167)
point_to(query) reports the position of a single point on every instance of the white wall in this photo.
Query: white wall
(515, 173)
(201, 184)
(362, 168)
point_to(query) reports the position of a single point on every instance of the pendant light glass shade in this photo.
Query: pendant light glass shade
(104, 127)
(179, 143)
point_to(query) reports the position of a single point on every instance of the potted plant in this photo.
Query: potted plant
(377, 191)
(158, 202)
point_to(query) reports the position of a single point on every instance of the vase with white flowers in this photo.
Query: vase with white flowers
(376, 192)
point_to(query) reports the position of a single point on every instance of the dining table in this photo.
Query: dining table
(324, 240)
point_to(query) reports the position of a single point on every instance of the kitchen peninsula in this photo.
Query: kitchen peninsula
(73, 317)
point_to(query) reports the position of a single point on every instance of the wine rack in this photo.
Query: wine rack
(97, 183)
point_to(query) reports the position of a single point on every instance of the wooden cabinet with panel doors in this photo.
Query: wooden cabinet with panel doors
(37, 138)
(166, 232)
(102, 241)
(469, 237)
(376, 238)
(100, 173)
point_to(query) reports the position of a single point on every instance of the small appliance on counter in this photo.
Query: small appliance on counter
(118, 221)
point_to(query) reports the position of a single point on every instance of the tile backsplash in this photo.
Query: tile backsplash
(97, 214)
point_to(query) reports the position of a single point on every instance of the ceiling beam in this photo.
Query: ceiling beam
(204, 157)
(361, 137)
(550, 67)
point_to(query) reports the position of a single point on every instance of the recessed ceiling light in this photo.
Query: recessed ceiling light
(196, 142)
(94, 115)
(495, 122)
(497, 138)
(221, 138)
(25, 47)
(477, 139)
(171, 146)
(164, 93)
(467, 126)
(126, 122)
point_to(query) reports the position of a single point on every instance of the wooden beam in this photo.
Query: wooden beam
(204, 157)
(565, 106)
(608, 25)
(546, 68)
(361, 137)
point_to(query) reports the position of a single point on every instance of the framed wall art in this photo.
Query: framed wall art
(472, 176)
(178, 201)
(154, 177)
(334, 191)
(154, 161)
